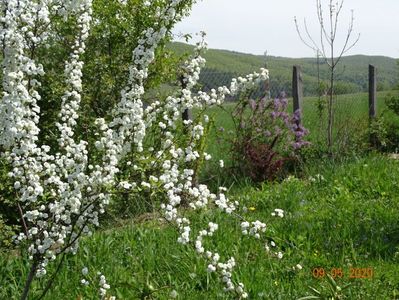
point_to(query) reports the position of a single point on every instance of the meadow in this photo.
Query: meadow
(340, 221)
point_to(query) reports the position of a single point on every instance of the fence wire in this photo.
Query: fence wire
(349, 120)
(350, 111)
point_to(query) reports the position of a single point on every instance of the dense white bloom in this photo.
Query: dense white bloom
(253, 228)
(103, 286)
(126, 185)
(244, 227)
(211, 268)
(278, 213)
(207, 156)
(79, 190)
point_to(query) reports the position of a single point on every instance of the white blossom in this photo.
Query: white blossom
(79, 189)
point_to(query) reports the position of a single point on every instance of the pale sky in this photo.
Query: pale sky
(256, 26)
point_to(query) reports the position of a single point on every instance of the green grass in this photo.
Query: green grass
(347, 219)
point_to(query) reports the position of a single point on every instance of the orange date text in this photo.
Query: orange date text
(354, 273)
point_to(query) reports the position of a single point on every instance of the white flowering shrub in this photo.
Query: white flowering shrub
(62, 188)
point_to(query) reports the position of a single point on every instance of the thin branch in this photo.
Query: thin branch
(323, 33)
(301, 37)
(346, 48)
(309, 36)
(21, 213)
(51, 280)
(332, 37)
(352, 45)
(69, 244)
(321, 22)
(336, 17)
(31, 275)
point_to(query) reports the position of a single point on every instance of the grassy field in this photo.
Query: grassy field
(341, 218)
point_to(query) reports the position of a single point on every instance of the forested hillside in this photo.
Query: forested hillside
(352, 74)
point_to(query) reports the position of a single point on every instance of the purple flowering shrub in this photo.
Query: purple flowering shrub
(267, 138)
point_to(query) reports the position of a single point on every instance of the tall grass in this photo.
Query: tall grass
(343, 217)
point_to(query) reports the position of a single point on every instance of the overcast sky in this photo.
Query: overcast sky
(256, 26)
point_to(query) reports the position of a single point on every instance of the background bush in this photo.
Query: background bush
(114, 34)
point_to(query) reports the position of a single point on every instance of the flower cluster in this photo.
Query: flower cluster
(37, 173)
(278, 213)
(223, 269)
(293, 124)
(253, 229)
(104, 286)
(173, 160)
(277, 254)
(266, 137)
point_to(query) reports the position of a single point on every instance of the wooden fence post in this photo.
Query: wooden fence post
(372, 92)
(297, 90)
(372, 101)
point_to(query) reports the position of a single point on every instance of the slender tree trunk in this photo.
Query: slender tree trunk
(330, 101)
(320, 108)
(330, 114)
(319, 84)
(51, 280)
(29, 280)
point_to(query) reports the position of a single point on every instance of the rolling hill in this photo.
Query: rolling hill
(352, 73)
